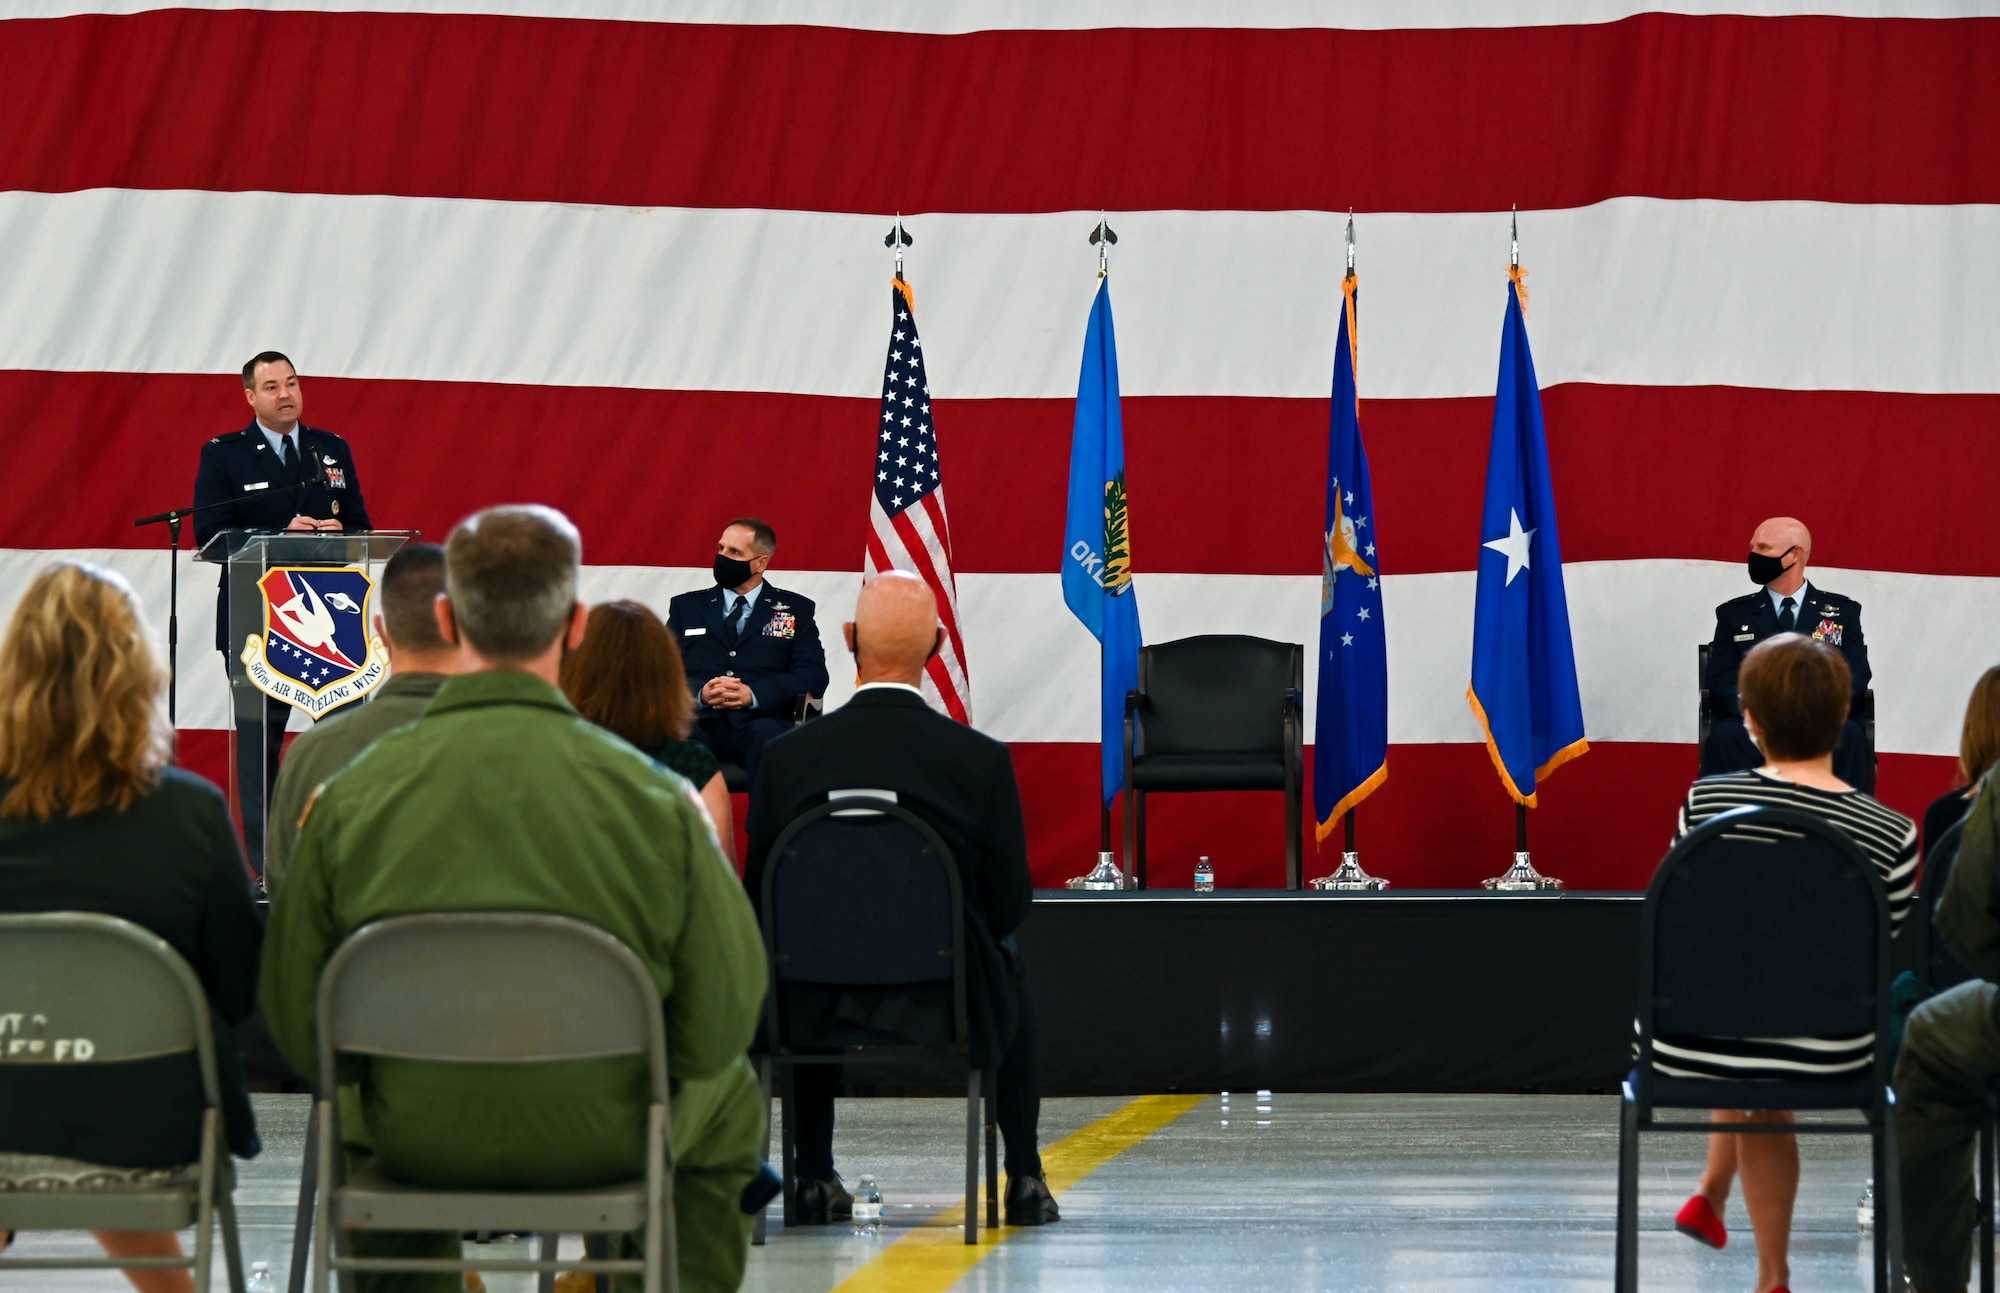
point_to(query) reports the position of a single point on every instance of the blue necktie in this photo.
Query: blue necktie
(1787, 621)
(740, 620)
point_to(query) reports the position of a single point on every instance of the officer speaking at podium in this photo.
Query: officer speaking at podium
(275, 474)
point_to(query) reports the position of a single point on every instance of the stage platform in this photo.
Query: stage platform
(1413, 991)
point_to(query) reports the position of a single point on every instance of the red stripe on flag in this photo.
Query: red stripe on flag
(925, 563)
(479, 106)
(1442, 820)
(1887, 481)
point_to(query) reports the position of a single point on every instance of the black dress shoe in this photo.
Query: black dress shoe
(821, 1203)
(1029, 1202)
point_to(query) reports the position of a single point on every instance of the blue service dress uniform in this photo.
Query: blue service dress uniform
(1742, 623)
(262, 493)
(778, 654)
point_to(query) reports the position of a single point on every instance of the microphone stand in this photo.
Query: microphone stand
(173, 521)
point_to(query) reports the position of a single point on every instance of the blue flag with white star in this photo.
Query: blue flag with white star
(1097, 542)
(1351, 745)
(1523, 690)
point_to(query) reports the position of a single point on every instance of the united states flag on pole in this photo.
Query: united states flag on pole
(907, 529)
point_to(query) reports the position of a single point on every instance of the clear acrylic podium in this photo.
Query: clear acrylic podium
(257, 733)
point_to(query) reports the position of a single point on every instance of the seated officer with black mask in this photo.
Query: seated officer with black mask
(751, 648)
(1779, 551)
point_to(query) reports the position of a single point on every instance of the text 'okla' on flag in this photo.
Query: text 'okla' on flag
(907, 529)
(1097, 541)
(1523, 690)
(1351, 745)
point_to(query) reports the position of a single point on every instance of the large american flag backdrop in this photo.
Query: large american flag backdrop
(625, 257)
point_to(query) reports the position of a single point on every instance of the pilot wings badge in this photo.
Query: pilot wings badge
(316, 652)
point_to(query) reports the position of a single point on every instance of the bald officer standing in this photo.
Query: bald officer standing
(275, 474)
(1779, 551)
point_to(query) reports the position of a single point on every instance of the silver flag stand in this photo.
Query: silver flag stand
(1522, 876)
(1348, 877)
(1105, 876)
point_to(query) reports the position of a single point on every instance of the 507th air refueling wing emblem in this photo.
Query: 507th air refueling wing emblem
(316, 651)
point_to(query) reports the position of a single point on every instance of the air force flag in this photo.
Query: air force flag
(1351, 742)
(1523, 688)
(1097, 545)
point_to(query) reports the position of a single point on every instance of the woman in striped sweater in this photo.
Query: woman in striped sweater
(1795, 698)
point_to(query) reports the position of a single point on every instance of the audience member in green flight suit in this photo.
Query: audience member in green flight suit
(501, 797)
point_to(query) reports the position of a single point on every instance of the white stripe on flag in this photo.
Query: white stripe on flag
(1781, 295)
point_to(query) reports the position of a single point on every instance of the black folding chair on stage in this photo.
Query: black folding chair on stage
(861, 897)
(1763, 922)
(1218, 712)
(131, 997)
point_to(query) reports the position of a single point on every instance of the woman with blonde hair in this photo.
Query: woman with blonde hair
(93, 818)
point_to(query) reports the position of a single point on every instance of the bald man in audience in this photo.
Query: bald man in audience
(962, 784)
(1786, 602)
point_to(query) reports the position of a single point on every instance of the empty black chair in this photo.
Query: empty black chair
(862, 905)
(1219, 712)
(735, 778)
(1762, 922)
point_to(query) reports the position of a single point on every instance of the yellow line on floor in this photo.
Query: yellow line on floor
(935, 1256)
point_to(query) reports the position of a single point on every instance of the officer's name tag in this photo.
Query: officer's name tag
(262, 484)
(692, 633)
(1744, 637)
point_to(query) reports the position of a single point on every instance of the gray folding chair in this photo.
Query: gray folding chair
(490, 988)
(82, 988)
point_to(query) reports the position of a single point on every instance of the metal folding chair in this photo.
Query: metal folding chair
(490, 988)
(82, 988)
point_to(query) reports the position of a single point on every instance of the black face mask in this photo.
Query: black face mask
(1764, 569)
(729, 572)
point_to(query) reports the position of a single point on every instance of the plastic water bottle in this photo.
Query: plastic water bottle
(1864, 1212)
(867, 1208)
(260, 1279)
(1204, 876)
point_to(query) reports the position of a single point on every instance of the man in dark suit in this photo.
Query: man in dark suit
(275, 474)
(962, 784)
(751, 648)
(1787, 603)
